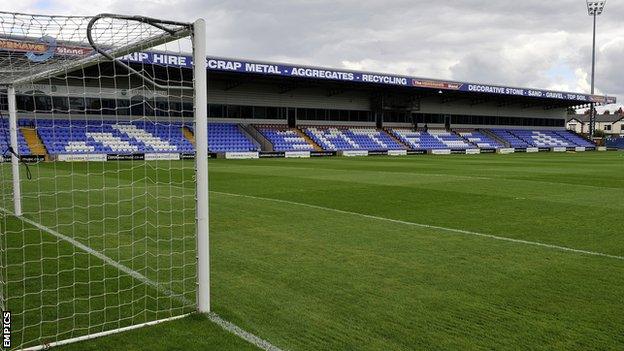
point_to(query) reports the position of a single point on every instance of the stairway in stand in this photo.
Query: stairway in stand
(395, 138)
(34, 142)
(464, 139)
(308, 139)
(188, 135)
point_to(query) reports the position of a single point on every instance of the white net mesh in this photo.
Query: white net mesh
(109, 242)
(35, 46)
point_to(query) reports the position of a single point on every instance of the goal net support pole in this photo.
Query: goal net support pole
(17, 197)
(201, 139)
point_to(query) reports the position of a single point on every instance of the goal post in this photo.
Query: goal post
(110, 230)
(17, 197)
(201, 137)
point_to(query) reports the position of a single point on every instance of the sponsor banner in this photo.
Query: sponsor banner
(290, 70)
(353, 153)
(436, 84)
(155, 58)
(187, 156)
(473, 151)
(579, 149)
(601, 148)
(32, 158)
(416, 152)
(322, 153)
(532, 149)
(125, 157)
(271, 154)
(378, 153)
(162, 156)
(23, 158)
(397, 152)
(44, 48)
(488, 151)
(506, 150)
(440, 152)
(297, 154)
(548, 94)
(559, 149)
(82, 157)
(241, 155)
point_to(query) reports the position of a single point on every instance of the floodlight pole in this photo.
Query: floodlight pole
(17, 193)
(592, 111)
(201, 162)
(594, 8)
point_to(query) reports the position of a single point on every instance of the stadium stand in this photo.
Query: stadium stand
(352, 138)
(510, 138)
(227, 137)
(417, 140)
(542, 138)
(480, 139)
(450, 139)
(431, 139)
(95, 136)
(284, 139)
(575, 138)
(80, 136)
(63, 136)
(522, 138)
(5, 140)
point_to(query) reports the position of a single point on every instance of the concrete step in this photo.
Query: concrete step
(309, 140)
(464, 139)
(34, 142)
(188, 135)
(394, 137)
(495, 137)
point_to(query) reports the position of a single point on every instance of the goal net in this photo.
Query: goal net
(104, 198)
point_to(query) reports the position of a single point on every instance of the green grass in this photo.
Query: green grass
(307, 278)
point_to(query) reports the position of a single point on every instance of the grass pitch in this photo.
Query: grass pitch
(310, 277)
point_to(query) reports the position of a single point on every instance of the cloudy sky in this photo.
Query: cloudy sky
(529, 43)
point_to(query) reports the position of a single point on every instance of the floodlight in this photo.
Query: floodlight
(595, 8)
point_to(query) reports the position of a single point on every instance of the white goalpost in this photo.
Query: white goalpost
(201, 137)
(104, 174)
(17, 197)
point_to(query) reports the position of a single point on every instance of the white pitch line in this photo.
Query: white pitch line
(243, 334)
(450, 230)
(228, 326)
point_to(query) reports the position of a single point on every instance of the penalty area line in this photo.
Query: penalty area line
(429, 226)
(213, 317)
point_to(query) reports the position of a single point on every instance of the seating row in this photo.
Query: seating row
(62, 136)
